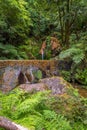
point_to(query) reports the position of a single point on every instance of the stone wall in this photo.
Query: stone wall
(15, 72)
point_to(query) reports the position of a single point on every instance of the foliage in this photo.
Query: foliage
(31, 21)
(17, 23)
(76, 52)
(29, 51)
(8, 51)
(31, 111)
(71, 106)
(38, 74)
(66, 75)
(23, 26)
(81, 76)
(43, 111)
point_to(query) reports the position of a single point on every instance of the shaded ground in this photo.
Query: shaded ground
(82, 91)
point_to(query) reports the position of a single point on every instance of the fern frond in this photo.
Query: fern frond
(76, 53)
(78, 58)
(2, 46)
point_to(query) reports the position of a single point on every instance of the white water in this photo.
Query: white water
(26, 79)
(42, 55)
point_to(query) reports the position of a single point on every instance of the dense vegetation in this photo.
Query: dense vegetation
(38, 111)
(24, 24)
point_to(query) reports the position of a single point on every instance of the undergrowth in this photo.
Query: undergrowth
(42, 111)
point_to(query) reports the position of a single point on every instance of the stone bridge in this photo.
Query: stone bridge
(16, 72)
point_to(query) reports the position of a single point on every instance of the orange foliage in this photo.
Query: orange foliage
(55, 44)
(43, 47)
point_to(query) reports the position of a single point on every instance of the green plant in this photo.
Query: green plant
(31, 111)
(38, 74)
(8, 51)
(76, 52)
(66, 75)
(71, 106)
(43, 111)
(54, 121)
(81, 76)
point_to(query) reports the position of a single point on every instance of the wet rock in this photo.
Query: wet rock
(56, 84)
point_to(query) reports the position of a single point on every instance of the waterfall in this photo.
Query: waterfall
(31, 73)
(26, 79)
(42, 54)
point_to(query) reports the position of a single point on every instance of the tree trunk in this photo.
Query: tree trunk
(8, 125)
(61, 25)
(67, 25)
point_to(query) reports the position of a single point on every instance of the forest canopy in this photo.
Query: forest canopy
(25, 23)
(45, 30)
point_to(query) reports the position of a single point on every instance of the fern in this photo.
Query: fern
(58, 123)
(39, 111)
(11, 52)
(8, 51)
(78, 58)
(30, 110)
(76, 53)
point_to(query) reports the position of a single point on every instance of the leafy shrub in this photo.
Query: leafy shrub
(81, 76)
(54, 121)
(8, 51)
(71, 106)
(75, 52)
(66, 75)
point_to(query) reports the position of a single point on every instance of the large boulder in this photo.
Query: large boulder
(57, 85)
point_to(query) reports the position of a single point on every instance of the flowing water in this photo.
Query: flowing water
(42, 55)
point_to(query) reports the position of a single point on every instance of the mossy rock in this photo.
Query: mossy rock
(38, 74)
(56, 84)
